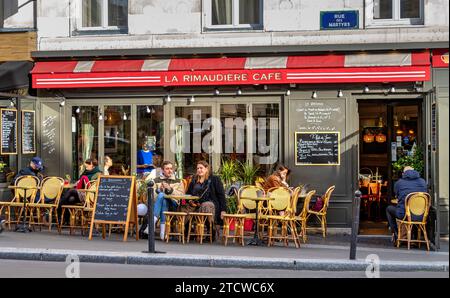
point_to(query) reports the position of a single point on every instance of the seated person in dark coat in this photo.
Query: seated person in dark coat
(409, 183)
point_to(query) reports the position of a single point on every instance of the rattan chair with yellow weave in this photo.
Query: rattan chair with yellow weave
(15, 206)
(197, 223)
(175, 225)
(322, 213)
(417, 206)
(50, 193)
(280, 215)
(80, 213)
(300, 220)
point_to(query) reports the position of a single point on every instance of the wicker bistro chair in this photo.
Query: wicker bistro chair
(417, 206)
(197, 221)
(177, 219)
(281, 215)
(322, 213)
(80, 214)
(301, 219)
(16, 204)
(51, 189)
(239, 220)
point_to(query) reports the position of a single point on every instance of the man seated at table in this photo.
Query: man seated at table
(409, 183)
(165, 184)
(33, 169)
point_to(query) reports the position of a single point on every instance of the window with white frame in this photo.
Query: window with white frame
(396, 12)
(104, 14)
(232, 14)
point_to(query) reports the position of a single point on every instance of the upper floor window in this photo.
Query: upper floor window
(396, 12)
(231, 14)
(104, 14)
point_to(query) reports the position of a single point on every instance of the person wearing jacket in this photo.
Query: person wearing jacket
(409, 183)
(165, 184)
(34, 169)
(211, 192)
(278, 178)
(72, 197)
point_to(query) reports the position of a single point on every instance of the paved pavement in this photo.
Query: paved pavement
(28, 269)
(329, 254)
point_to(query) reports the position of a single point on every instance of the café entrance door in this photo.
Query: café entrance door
(391, 137)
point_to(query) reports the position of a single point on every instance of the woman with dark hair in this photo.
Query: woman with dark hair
(211, 192)
(72, 197)
(278, 178)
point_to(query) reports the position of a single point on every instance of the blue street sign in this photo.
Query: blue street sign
(339, 20)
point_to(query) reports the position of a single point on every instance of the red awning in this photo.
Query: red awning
(352, 68)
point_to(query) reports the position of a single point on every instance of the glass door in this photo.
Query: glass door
(117, 138)
(85, 137)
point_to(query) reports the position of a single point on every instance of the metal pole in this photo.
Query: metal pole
(150, 221)
(23, 228)
(355, 224)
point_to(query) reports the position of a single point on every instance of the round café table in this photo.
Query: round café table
(179, 198)
(256, 240)
(23, 228)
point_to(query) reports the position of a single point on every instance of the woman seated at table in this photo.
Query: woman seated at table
(210, 190)
(278, 178)
(72, 197)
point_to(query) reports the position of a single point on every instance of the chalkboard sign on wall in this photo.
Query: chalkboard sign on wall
(115, 202)
(8, 123)
(28, 132)
(317, 148)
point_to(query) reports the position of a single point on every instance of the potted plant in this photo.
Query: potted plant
(415, 160)
(2, 172)
(248, 173)
(229, 172)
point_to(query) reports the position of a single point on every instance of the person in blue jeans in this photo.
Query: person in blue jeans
(165, 184)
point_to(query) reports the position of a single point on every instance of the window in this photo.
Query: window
(396, 12)
(104, 14)
(231, 14)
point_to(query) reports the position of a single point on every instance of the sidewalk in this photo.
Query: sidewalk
(329, 254)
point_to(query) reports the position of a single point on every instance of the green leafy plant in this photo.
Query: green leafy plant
(248, 173)
(416, 161)
(232, 205)
(229, 172)
(2, 166)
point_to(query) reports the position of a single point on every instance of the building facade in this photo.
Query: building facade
(329, 88)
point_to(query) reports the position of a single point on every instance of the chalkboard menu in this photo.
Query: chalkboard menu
(317, 148)
(115, 203)
(9, 131)
(113, 198)
(28, 132)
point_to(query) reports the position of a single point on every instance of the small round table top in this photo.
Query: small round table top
(182, 197)
(258, 199)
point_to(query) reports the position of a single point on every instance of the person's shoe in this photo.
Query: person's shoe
(2, 225)
(394, 239)
(146, 231)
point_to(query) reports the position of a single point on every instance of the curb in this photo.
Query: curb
(47, 255)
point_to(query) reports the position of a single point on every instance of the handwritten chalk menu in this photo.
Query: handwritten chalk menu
(317, 148)
(9, 131)
(28, 132)
(115, 203)
(325, 115)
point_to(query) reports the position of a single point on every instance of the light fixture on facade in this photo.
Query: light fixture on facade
(11, 103)
(314, 95)
(100, 117)
(216, 91)
(392, 89)
(62, 103)
(288, 92)
(340, 93)
(125, 116)
(239, 91)
(168, 98)
(266, 87)
(78, 110)
(366, 89)
(192, 99)
(418, 88)
(148, 110)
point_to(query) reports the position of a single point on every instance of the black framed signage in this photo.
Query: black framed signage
(8, 123)
(317, 148)
(28, 132)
